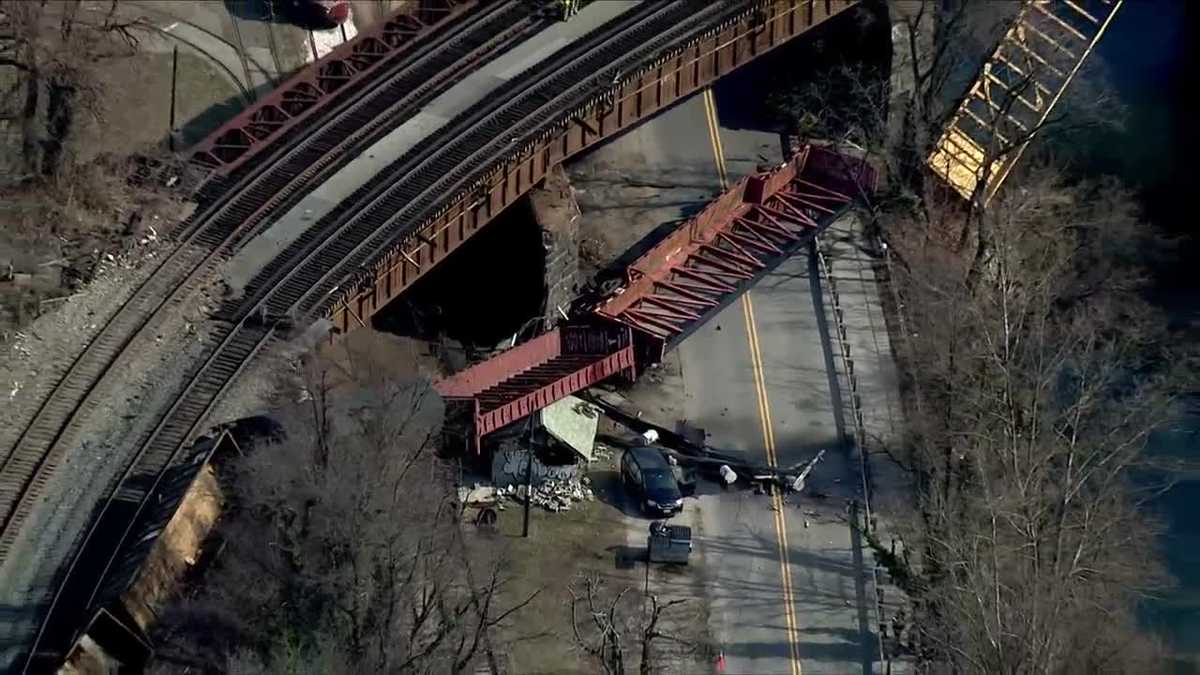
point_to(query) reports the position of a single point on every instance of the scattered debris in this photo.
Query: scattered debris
(601, 453)
(553, 495)
(725, 467)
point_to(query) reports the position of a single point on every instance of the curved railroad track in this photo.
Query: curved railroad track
(299, 282)
(269, 186)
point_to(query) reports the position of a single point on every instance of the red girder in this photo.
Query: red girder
(739, 259)
(775, 215)
(823, 189)
(703, 281)
(669, 290)
(752, 238)
(531, 376)
(658, 306)
(242, 137)
(712, 255)
(740, 242)
(677, 306)
(811, 200)
(686, 297)
(710, 268)
(781, 202)
(770, 226)
(648, 323)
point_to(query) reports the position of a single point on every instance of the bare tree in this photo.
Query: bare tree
(940, 53)
(607, 624)
(1036, 390)
(1035, 368)
(343, 551)
(48, 57)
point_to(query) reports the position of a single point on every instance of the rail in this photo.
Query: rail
(213, 233)
(416, 189)
(351, 63)
(624, 96)
(219, 227)
(299, 281)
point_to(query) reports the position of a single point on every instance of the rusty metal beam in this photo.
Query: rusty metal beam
(673, 78)
(267, 119)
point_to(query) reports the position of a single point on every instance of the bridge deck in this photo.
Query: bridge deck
(645, 90)
(474, 88)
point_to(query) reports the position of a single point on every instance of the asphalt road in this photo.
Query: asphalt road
(788, 587)
(785, 579)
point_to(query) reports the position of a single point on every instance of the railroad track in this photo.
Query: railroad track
(271, 184)
(411, 190)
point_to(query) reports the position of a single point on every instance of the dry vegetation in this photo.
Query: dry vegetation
(342, 551)
(62, 212)
(1033, 390)
(1035, 371)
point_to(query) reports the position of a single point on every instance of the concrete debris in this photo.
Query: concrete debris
(572, 422)
(553, 495)
(601, 453)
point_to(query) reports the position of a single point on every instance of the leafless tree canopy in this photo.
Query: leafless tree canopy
(1035, 371)
(1035, 391)
(609, 625)
(57, 206)
(938, 50)
(48, 51)
(342, 553)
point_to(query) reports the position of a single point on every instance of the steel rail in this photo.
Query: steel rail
(418, 78)
(405, 87)
(298, 281)
(309, 269)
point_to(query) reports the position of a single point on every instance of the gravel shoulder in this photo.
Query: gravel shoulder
(139, 386)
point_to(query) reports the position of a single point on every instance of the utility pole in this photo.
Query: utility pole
(174, 82)
(528, 474)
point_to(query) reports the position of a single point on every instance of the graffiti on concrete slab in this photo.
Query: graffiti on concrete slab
(510, 461)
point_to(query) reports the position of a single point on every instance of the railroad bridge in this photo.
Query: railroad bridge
(383, 222)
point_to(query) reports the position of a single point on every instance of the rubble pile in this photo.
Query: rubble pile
(553, 495)
(601, 453)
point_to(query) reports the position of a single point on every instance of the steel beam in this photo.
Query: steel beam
(672, 78)
(268, 118)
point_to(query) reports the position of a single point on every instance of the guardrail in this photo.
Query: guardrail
(859, 433)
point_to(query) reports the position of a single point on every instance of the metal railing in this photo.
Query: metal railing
(859, 432)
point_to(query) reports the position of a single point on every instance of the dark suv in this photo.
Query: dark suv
(646, 473)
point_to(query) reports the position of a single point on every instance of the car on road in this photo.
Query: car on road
(646, 473)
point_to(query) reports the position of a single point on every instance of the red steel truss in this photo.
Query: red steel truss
(670, 290)
(351, 63)
(527, 378)
(713, 257)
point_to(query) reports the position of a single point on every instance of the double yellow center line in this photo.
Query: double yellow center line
(764, 416)
(764, 409)
(714, 136)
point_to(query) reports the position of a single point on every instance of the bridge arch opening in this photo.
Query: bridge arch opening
(480, 296)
